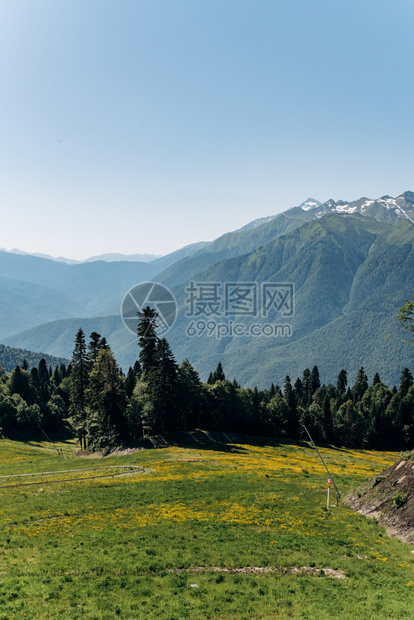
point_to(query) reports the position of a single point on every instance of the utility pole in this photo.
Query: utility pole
(338, 495)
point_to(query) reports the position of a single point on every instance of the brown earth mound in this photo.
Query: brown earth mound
(389, 498)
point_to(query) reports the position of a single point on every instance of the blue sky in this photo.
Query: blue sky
(140, 126)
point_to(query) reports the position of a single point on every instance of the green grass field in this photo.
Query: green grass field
(238, 532)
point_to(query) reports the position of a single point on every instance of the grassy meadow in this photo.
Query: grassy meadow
(236, 532)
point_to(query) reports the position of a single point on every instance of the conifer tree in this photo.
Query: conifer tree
(93, 347)
(314, 381)
(342, 382)
(218, 374)
(189, 396)
(298, 387)
(43, 381)
(376, 379)
(78, 386)
(167, 386)
(147, 340)
(106, 401)
(293, 418)
(360, 386)
(57, 377)
(306, 385)
(406, 382)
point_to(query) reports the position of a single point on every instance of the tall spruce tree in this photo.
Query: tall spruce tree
(44, 381)
(406, 382)
(306, 386)
(78, 386)
(167, 387)
(360, 386)
(342, 382)
(147, 340)
(293, 418)
(93, 347)
(189, 396)
(159, 374)
(106, 401)
(314, 381)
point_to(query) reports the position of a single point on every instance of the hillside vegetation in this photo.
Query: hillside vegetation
(11, 357)
(350, 274)
(236, 531)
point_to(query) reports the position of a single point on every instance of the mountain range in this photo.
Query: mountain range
(350, 265)
(143, 258)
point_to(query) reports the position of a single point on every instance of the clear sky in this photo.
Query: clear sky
(140, 126)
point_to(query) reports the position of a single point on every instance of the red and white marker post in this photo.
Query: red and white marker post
(329, 486)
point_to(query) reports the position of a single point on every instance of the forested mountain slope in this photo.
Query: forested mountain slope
(350, 273)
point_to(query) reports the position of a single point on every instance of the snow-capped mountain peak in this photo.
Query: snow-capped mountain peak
(386, 208)
(310, 203)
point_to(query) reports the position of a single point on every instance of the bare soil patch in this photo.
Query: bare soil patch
(389, 498)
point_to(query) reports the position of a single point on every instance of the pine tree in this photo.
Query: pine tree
(167, 387)
(298, 387)
(406, 382)
(93, 347)
(360, 386)
(376, 379)
(159, 373)
(147, 340)
(137, 369)
(293, 418)
(130, 381)
(342, 382)
(306, 386)
(57, 376)
(189, 396)
(218, 374)
(327, 419)
(106, 402)
(78, 386)
(314, 381)
(44, 381)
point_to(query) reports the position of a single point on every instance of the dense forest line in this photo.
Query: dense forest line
(107, 407)
(11, 357)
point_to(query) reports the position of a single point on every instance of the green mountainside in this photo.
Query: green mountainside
(257, 234)
(36, 290)
(58, 337)
(25, 305)
(11, 357)
(234, 244)
(350, 274)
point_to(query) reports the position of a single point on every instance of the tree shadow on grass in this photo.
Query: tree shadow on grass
(214, 440)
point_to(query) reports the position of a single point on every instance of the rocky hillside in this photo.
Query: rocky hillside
(389, 497)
